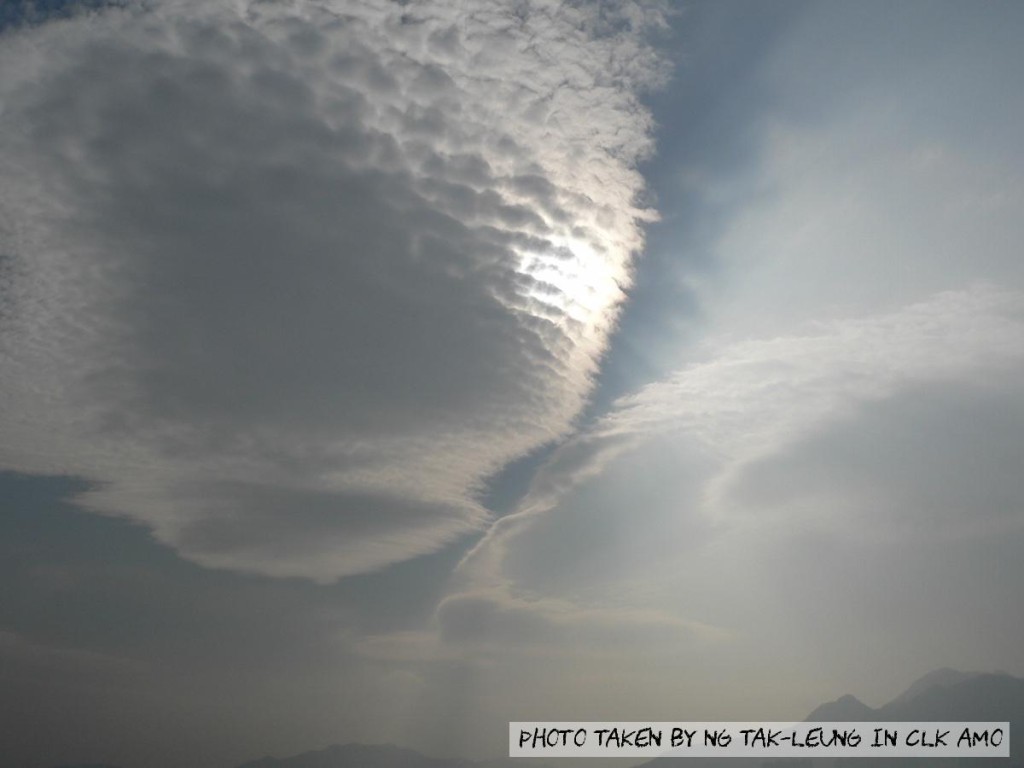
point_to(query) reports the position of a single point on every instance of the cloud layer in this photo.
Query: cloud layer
(289, 282)
(756, 399)
(828, 473)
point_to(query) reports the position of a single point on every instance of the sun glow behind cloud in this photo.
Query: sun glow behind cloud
(830, 471)
(575, 283)
(291, 285)
(290, 281)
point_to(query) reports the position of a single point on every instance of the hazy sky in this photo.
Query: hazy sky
(386, 371)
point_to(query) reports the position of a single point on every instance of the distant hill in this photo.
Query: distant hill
(357, 756)
(941, 695)
(375, 756)
(949, 695)
(975, 697)
(847, 708)
(935, 679)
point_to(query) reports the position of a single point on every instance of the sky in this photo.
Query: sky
(382, 372)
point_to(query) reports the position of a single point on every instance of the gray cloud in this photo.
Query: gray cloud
(286, 284)
(63, 666)
(828, 470)
(497, 620)
(932, 461)
(696, 439)
(290, 283)
(485, 626)
(794, 499)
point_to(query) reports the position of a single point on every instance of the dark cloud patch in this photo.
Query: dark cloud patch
(266, 262)
(105, 633)
(19, 13)
(236, 525)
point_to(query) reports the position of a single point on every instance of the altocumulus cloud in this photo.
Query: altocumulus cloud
(288, 281)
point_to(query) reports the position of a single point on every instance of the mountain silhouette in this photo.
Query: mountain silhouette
(375, 756)
(934, 679)
(944, 695)
(358, 756)
(845, 709)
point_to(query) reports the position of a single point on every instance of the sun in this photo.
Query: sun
(572, 282)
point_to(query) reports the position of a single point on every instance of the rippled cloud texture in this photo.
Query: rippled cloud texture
(287, 282)
(571, 361)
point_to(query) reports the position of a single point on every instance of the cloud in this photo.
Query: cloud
(486, 625)
(931, 462)
(842, 428)
(827, 472)
(499, 618)
(779, 507)
(288, 283)
(28, 661)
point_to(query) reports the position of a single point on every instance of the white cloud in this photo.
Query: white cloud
(765, 439)
(805, 499)
(831, 473)
(289, 281)
(755, 400)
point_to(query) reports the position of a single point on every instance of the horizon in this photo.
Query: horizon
(921, 687)
(376, 371)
